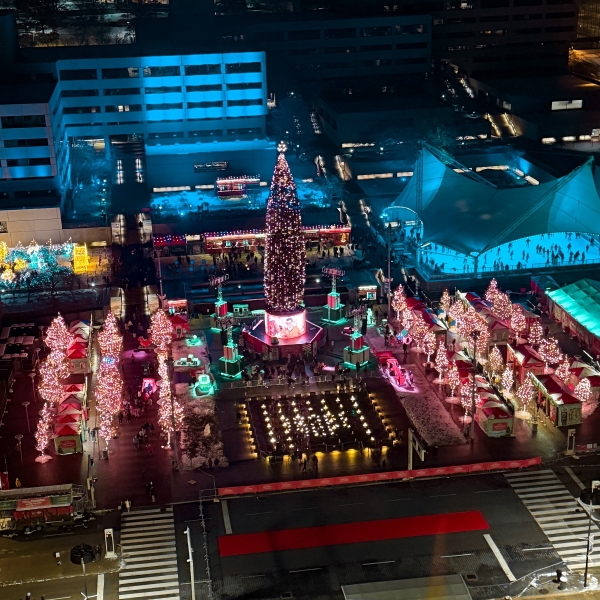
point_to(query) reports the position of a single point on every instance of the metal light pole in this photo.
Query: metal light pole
(475, 335)
(26, 404)
(159, 273)
(19, 437)
(389, 269)
(32, 377)
(188, 533)
(587, 499)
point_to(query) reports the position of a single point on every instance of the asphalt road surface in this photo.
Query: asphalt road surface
(513, 538)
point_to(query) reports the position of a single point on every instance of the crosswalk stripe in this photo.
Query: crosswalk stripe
(553, 507)
(150, 556)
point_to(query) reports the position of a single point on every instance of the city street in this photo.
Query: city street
(320, 569)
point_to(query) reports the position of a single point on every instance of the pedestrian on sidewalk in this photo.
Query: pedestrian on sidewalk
(17, 482)
(304, 466)
(120, 417)
(136, 441)
(149, 449)
(99, 552)
(128, 505)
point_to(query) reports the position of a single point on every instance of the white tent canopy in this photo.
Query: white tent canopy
(471, 217)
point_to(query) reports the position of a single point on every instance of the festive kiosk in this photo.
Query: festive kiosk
(357, 353)
(333, 312)
(284, 330)
(221, 308)
(230, 364)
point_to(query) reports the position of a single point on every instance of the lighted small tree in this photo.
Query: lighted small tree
(518, 323)
(407, 319)
(453, 377)
(445, 301)
(58, 337)
(495, 362)
(399, 301)
(583, 390)
(419, 329)
(429, 345)
(507, 380)
(563, 371)
(162, 330)
(550, 352)
(491, 291)
(441, 360)
(502, 306)
(466, 396)
(526, 391)
(536, 334)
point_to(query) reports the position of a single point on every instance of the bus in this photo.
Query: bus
(25, 510)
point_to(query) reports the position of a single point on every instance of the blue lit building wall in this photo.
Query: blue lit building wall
(187, 99)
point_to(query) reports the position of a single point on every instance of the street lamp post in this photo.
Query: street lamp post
(32, 377)
(475, 335)
(26, 404)
(389, 269)
(588, 499)
(19, 437)
(188, 533)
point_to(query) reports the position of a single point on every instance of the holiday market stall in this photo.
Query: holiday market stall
(71, 416)
(558, 401)
(524, 359)
(494, 418)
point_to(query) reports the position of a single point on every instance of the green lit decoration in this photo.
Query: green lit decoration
(357, 352)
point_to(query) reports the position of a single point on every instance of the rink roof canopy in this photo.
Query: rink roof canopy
(581, 300)
(471, 217)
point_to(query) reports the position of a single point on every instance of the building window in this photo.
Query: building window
(25, 143)
(375, 31)
(23, 121)
(27, 162)
(121, 73)
(416, 60)
(205, 133)
(164, 106)
(206, 104)
(202, 69)
(162, 90)
(167, 135)
(35, 193)
(252, 85)
(122, 92)
(412, 29)
(78, 74)
(340, 50)
(78, 93)
(305, 34)
(376, 48)
(304, 51)
(80, 110)
(253, 67)
(221, 165)
(560, 29)
(529, 31)
(411, 46)
(338, 65)
(124, 108)
(245, 102)
(173, 71)
(527, 17)
(517, 3)
(336, 34)
(245, 131)
(567, 104)
(384, 62)
(269, 36)
(213, 87)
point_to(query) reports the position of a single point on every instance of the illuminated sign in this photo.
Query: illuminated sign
(80, 259)
(285, 327)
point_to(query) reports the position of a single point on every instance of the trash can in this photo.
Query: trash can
(104, 454)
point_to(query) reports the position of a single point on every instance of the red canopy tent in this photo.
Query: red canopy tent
(73, 387)
(67, 430)
(64, 418)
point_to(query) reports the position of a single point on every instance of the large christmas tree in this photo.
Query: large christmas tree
(284, 249)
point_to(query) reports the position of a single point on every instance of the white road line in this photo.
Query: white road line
(456, 555)
(536, 549)
(380, 562)
(100, 587)
(442, 495)
(499, 557)
(398, 499)
(305, 570)
(306, 508)
(575, 478)
(136, 572)
(488, 491)
(226, 519)
(269, 512)
(353, 504)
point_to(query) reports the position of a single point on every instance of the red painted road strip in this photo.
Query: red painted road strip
(351, 533)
